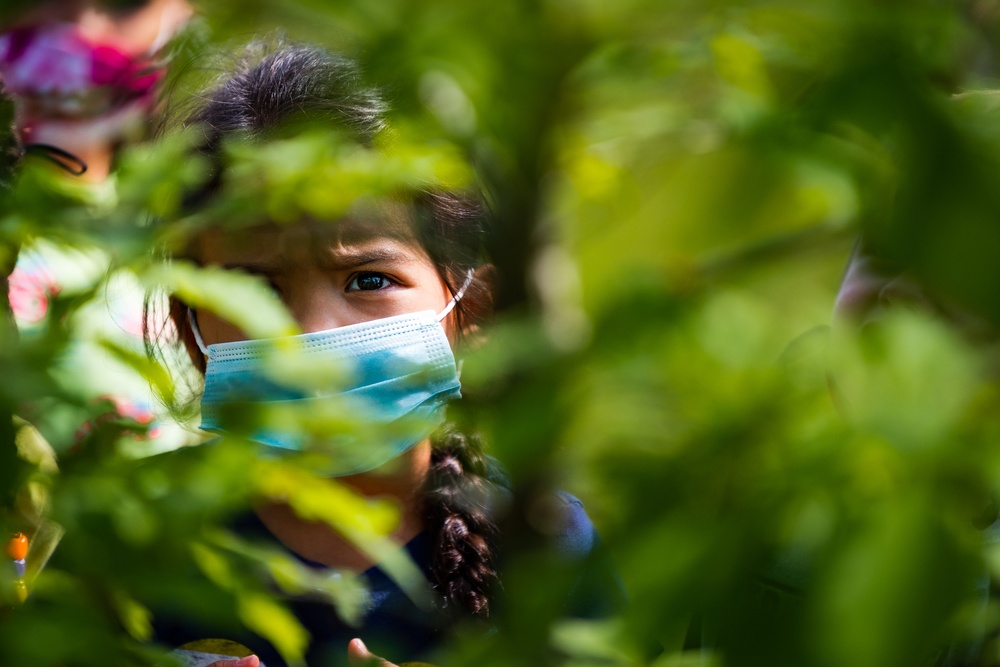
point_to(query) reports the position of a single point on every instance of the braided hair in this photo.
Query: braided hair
(275, 84)
(457, 504)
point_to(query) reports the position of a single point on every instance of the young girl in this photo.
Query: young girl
(392, 289)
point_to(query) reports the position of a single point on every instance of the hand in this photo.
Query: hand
(249, 661)
(359, 656)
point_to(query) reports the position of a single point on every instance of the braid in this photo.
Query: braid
(458, 500)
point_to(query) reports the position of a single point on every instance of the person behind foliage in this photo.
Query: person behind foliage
(393, 288)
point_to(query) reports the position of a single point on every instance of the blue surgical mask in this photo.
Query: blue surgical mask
(399, 375)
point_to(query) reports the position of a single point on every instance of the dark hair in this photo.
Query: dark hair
(275, 86)
(10, 146)
(10, 153)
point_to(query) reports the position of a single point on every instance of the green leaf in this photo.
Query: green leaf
(243, 300)
(275, 623)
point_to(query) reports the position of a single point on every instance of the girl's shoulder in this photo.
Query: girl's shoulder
(598, 590)
(556, 514)
(575, 536)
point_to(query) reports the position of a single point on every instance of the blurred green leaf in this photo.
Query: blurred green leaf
(238, 298)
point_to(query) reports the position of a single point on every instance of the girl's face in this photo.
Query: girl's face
(329, 276)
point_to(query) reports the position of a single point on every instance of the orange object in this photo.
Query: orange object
(17, 546)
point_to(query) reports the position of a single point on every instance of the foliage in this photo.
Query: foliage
(677, 188)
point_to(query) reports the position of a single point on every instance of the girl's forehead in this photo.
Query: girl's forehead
(304, 238)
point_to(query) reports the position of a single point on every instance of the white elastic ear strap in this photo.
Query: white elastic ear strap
(193, 323)
(458, 295)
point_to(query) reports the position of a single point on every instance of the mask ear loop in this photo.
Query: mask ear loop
(193, 323)
(451, 306)
(458, 295)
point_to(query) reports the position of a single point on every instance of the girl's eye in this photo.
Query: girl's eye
(368, 281)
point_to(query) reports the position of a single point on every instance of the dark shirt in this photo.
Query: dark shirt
(393, 626)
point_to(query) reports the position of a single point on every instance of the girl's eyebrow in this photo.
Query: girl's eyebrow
(344, 258)
(339, 258)
(254, 268)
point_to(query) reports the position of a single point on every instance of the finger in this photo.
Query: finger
(249, 661)
(359, 656)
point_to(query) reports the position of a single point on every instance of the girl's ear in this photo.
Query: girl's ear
(477, 303)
